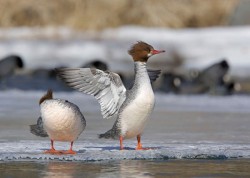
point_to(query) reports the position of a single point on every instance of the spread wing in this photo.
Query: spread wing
(106, 87)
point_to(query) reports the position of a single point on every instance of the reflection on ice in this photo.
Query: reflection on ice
(124, 168)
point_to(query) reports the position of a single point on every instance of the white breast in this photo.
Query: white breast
(135, 115)
(61, 122)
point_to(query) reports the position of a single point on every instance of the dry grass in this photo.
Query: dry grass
(99, 14)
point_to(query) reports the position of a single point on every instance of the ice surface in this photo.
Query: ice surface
(191, 127)
(33, 150)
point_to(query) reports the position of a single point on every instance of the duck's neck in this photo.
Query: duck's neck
(141, 74)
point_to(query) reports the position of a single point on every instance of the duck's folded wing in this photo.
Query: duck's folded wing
(153, 74)
(106, 87)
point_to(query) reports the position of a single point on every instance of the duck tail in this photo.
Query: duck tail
(111, 134)
(37, 129)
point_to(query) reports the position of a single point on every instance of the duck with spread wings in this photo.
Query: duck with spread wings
(131, 108)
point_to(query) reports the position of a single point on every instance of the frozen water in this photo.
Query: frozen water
(201, 127)
(32, 150)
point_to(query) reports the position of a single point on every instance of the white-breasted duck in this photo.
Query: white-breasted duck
(131, 108)
(60, 120)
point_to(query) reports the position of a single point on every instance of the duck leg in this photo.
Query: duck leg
(70, 151)
(121, 145)
(139, 145)
(52, 150)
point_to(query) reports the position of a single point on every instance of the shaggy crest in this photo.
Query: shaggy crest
(48, 95)
(140, 51)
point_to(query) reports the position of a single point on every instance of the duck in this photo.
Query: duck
(9, 64)
(60, 120)
(131, 108)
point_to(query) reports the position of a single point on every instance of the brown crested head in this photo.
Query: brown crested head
(48, 95)
(141, 51)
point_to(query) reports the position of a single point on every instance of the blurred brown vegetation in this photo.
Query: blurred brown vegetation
(99, 14)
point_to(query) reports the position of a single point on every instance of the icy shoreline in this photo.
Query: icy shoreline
(32, 151)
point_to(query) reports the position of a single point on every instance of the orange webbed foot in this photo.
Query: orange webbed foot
(61, 152)
(53, 152)
(139, 147)
(69, 152)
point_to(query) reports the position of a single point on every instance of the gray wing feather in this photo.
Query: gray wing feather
(106, 87)
(153, 74)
